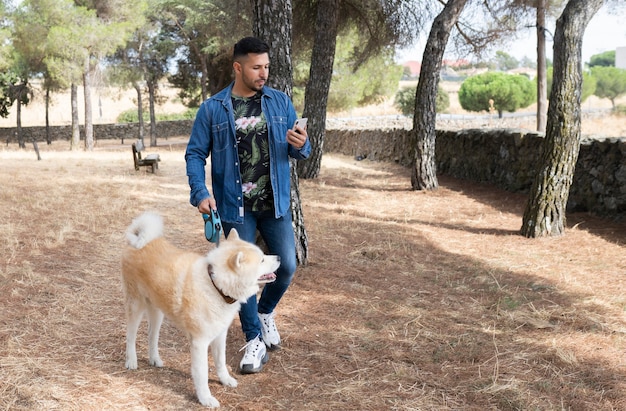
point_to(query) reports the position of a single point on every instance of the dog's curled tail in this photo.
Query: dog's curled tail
(145, 228)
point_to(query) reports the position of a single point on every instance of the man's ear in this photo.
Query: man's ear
(237, 67)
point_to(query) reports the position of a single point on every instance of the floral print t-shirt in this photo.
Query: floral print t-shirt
(254, 153)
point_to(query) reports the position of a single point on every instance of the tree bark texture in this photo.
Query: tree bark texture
(48, 139)
(151, 99)
(320, 75)
(272, 23)
(542, 82)
(20, 134)
(75, 122)
(140, 122)
(545, 212)
(424, 170)
(89, 141)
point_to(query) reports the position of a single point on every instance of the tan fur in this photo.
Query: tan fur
(160, 279)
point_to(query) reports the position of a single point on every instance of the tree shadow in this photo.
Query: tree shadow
(395, 178)
(476, 333)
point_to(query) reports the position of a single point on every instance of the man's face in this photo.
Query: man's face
(251, 71)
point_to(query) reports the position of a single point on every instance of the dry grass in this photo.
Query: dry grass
(411, 300)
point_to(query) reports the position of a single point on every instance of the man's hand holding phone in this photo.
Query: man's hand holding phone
(297, 135)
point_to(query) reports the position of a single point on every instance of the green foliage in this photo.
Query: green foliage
(589, 85)
(205, 32)
(5, 35)
(131, 116)
(606, 59)
(508, 92)
(7, 80)
(528, 62)
(610, 82)
(405, 100)
(377, 78)
(505, 61)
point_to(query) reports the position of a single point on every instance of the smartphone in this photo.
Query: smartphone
(300, 122)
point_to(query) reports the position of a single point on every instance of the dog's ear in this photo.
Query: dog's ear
(233, 234)
(236, 260)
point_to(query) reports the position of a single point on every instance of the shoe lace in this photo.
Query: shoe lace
(254, 347)
(269, 322)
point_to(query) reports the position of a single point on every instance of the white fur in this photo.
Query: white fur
(145, 228)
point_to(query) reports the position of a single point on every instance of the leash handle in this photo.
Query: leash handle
(212, 226)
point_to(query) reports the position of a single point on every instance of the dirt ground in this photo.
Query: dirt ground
(410, 300)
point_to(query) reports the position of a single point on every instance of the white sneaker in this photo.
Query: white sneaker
(255, 356)
(270, 335)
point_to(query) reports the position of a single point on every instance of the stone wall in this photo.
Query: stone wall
(128, 131)
(506, 158)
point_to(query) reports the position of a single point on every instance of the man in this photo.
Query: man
(247, 130)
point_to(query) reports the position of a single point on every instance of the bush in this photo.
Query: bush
(503, 92)
(610, 82)
(605, 59)
(131, 116)
(375, 79)
(405, 100)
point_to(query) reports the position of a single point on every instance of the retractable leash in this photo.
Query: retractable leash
(212, 227)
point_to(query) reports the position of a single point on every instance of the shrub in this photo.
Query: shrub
(610, 82)
(405, 100)
(356, 83)
(506, 92)
(131, 116)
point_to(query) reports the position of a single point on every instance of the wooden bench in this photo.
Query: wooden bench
(151, 160)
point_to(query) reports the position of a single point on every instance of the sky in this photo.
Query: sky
(605, 32)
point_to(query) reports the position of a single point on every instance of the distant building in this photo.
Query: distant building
(448, 67)
(459, 63)
(414, 68)
(620, 57)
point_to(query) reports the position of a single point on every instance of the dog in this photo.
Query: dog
(200, 294)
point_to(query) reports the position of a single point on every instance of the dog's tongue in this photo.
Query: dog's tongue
(267, 278)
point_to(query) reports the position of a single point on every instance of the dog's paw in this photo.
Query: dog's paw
(209, 401)
(228, 381)
(131, 364)
(156, 362)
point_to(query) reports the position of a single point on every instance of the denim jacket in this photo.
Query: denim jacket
(213, 133)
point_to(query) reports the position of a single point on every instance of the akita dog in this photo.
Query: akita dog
(199, 294)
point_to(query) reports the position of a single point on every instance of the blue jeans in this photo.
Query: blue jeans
(278, 234)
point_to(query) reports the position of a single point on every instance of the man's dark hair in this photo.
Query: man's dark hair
(250, 45)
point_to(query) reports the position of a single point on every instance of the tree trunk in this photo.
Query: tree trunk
(545, 212)
(89, 141)
(18, 115)
(75, 122)
(272, 23)
(19, 126)
(204, 78)
(48, 138)
(542, 83)
(320, 75)
(151, 99)
(139, 111)
(424, 169)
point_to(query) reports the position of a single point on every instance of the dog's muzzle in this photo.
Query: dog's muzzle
(267, 278)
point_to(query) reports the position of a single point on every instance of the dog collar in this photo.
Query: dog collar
(228, 299)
